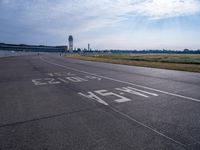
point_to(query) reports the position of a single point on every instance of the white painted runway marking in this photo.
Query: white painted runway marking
(91, 95)
(63, 80)
(76, 79)
(118, 95)
(60, 74)
(153, 94)
(93, 77)
(128, 90)
(129, 83)
(45, 81)
(121, 113)
(63, 77)
(104, 93)
(52, 81)
(120, 99)
(38, 82)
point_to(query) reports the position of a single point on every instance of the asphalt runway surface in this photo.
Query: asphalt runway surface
(49, 102)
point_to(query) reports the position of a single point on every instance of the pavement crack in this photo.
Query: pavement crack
(49, 117)
(148, 127)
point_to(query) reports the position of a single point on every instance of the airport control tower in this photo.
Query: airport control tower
(70, 40)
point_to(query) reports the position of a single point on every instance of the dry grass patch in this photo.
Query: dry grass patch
(174, 62)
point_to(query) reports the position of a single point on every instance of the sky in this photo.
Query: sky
(105, 24)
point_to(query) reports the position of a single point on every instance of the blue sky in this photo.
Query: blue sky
(105, 24)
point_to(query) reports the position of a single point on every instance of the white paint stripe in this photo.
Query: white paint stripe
(142, 124)
(122, 100)
(143, 91)
(124, 89)
(96, 98)
(129, 83)
(63, 80)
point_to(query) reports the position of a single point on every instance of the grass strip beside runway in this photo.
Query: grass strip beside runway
(182, 62)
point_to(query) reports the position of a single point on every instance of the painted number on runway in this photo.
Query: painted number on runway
(45, 81)
(62, 77)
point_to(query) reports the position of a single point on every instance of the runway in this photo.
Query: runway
(51, 102)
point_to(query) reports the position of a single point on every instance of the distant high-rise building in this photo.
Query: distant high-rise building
(70, 40)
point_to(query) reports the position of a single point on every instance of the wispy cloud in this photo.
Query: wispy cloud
(87, 14)
(43, 20)
(159, 9)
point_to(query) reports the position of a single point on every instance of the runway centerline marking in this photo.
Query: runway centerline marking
(129, 83)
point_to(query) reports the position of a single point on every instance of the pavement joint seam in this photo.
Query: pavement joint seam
(148, 127)
(49, 117)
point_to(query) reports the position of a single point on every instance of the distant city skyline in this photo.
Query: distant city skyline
(105, 24)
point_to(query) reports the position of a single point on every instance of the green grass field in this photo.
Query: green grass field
(181, 62)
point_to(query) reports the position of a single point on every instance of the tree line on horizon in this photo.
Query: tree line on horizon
(61, 49)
